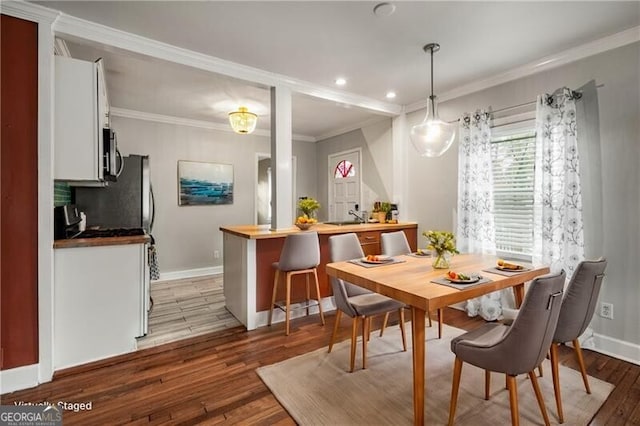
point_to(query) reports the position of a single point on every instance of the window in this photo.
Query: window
(344, 169)
(512, 155)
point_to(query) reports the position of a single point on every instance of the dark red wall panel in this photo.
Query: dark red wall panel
(19, 193)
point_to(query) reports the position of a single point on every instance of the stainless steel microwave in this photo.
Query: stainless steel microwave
(112, 159)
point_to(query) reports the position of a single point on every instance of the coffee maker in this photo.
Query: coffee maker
(66, 221)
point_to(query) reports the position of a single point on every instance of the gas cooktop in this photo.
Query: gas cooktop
(113, 232)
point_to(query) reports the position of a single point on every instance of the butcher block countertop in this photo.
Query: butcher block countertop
(256, 232)
(102, 241)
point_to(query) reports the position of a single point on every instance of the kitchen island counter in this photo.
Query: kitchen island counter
(262, 231)
(250, 251)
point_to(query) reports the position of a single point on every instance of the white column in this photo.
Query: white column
(281, 159)
(400, 143)
(45, 198)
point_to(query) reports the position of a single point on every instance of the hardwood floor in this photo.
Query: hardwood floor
(211, 379)
(186, 308)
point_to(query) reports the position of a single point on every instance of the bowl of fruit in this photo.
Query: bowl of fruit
(305, 222)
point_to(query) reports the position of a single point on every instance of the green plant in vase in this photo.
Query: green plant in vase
(381, 210)
(308, 206)
(385, 207)
(443, 243)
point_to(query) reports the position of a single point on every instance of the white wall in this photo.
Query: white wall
(187, 236)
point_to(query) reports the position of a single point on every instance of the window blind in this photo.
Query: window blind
(513, 172)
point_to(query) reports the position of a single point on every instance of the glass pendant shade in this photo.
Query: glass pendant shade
(433, 137)
(243, 121)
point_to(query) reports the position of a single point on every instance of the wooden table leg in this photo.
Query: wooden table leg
(418, 339)
(518, 292)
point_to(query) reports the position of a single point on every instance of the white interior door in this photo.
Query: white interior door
(345, 180)
(263, 188)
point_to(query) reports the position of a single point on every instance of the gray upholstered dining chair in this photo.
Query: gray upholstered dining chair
(300, 255)
(394, 244)
(358, 302)
(514, 349)
(578, 306)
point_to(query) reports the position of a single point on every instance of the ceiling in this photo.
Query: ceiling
(318, 41)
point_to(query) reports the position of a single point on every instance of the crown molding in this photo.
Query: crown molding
(201, 124)
(60, 47)
(73, 27)
(351, 128)
(595, 47)
(28, 11)
(70, 26)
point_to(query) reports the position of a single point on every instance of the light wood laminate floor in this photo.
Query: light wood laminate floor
(186, 308)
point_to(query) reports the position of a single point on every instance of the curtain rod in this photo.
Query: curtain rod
(529, 103)
(518, 106)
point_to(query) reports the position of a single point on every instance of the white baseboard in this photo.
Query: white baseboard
(18, 378)
(190, 273)
(616, 348)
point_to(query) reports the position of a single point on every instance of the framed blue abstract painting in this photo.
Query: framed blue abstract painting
(204, 183)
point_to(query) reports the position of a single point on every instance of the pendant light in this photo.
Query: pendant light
(243, 121)
(432, 137)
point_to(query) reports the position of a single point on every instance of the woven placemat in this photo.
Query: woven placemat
(420, 256)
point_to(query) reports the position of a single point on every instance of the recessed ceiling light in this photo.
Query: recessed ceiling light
(391, 95)
(341, 81)
(384, 9)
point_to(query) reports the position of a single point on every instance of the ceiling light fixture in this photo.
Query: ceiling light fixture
(242, 121)
(341, 81)
(391, 95)
(432, 137)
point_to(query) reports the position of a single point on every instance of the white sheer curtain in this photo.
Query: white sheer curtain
(558, 228)
(476, 229)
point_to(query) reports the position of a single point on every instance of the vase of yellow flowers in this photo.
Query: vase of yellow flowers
(444, 244)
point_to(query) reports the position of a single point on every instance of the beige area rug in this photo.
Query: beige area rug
(316, 389)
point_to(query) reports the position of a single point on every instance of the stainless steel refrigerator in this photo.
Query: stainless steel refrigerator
(127, 203)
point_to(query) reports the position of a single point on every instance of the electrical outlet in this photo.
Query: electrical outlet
(216, 254)
(606, 310)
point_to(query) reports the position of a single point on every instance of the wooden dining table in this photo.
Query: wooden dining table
(409, 281)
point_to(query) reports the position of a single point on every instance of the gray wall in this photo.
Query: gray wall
(432, 187)
(187, 236)
(377, 167)
(433, 205)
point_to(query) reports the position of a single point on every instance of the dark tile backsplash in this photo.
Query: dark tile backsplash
(61, 194)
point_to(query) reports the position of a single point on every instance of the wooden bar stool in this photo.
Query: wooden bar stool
(300, 255)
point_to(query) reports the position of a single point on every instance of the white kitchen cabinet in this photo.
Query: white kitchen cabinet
(100, 302)
(103, 98)
(80, 116)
